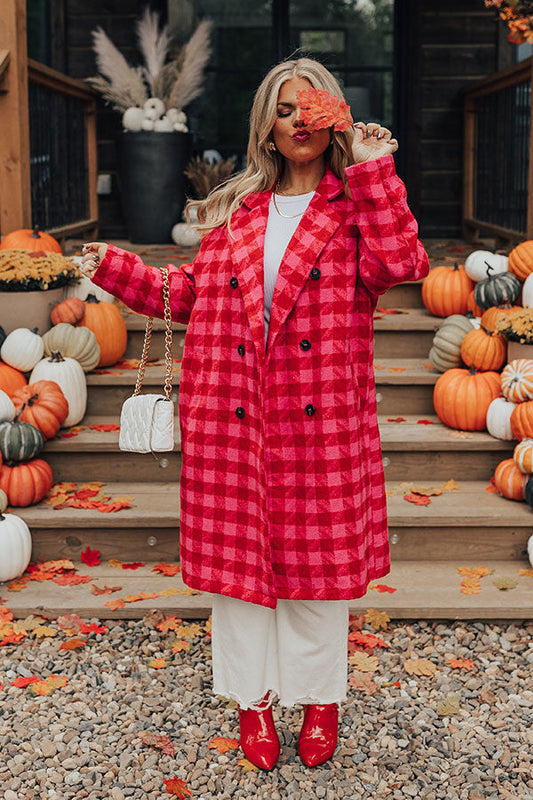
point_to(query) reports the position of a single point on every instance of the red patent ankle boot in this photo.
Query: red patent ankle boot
(318, 737)
(259, 739)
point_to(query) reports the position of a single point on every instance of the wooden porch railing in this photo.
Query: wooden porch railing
(48, 168)
(498, 156)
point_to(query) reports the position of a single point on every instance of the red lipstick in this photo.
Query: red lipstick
(301, 136)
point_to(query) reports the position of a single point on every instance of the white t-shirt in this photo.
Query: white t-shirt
(279, 232)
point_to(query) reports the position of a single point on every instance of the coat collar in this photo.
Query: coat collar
(247, 242)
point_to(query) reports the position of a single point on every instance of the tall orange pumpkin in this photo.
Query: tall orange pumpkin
(461, 398)
(28, 239)
(107, 324)
(483, 350)
(521, 259)
(509, 481)
(11, 379)
(27, 483)
(445, 290)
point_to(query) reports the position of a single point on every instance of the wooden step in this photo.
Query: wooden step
(136, 325)
(93, 455)
(424, 590)
(404, 386)
(404, 295)
(429, 448)
(110, 386)
(408, 333)
(470, 522)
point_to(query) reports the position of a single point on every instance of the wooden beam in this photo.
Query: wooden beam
(4, 62)
(529, 221)
(15, 196)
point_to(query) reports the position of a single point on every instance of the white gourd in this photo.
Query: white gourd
(527, 292)
(22, 349)
(70, 378)
(530, 550)
(499, 419)
(476, 264)
(15, 546)
(7, 408)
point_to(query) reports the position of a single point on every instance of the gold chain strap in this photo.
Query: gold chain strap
(168, 342)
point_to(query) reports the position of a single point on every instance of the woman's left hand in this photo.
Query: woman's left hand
(372, 141)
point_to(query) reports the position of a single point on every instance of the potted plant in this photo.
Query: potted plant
(155, 145)
(517, 326)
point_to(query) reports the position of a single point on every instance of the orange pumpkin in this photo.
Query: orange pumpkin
(70, 310)
(490, 317)
(11, 379)
(461, 398)
(483, 350)
(523, 456)
(521, 259)
(27, 483)
(27, 239)
(472, 306)
(107, 324)
(517, 380)
(445, 290)
(522, 421)
(44, 405)
(509, 481)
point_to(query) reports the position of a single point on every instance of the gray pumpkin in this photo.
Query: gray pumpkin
(20, 441)
(445, 352)
(497, 290)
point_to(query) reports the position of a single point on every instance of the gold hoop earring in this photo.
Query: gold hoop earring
(272, 147)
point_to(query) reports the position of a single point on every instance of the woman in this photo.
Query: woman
(283, 513)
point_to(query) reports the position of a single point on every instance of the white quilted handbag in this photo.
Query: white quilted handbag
(147, 420)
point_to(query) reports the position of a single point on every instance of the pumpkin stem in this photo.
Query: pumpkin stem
(19, 412)
(456, 266)
(35, 233)
(472, 371)
(32, 400)
(56, 357)
(35, 330)
(92, 298)
(489, 269)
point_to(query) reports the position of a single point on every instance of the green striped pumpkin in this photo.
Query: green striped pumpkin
(497, 290)
(19, 441)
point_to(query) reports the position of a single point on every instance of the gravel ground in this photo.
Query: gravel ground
(84, 739)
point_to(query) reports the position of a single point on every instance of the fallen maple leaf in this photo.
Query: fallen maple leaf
(397, 369)
(114, 605)
(357, 623)
(461, 663)
(491, 489)
(163, 743)
(172, 591)
(105, 589)
(93, 627)
(471, 589)
(166, 569)
(320, 109)
(70, 622)
(383, 310)
(503, 583)
(363, 661)
(169, 624)
(44, 630)
(397, 419)
(362, 681)
(382, 587)
(377, 619)
(106, 428)
(450, 705)
(188, 631)
(158, 663)
(71, 579)
(90, 557)
(367, 640)
(222, 744)
(177, 787)
(247, 766)
(425, 422)
(22, 682)
(73, 644)
(114, 562)
(133, 565)
(425, 491)
(420, 666)
(179, 646)
(5, 614)
(450, 486)
(17, 585)
(527, 573)
(417, 499)
(49, 685)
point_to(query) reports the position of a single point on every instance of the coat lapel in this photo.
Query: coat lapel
(316, 228)
(247, 243)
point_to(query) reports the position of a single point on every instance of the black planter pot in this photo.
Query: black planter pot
(151, 182)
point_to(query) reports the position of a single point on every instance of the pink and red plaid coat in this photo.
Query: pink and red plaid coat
(282, 489)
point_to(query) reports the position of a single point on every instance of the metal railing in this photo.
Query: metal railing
(62, 120)
(498, 155)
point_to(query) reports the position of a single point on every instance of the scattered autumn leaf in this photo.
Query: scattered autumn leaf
(222, 744)
(169, 624)
(105, 589)
(172, 591)
(357, 623)
(166, 569)
(179, 646)
(158, 663)
(363, 661)
(71, 579)
(362, 681)
(247, 766)
(503, 583)
(382, 587)
(132, 565)
(48, 685)
(417, 499)
(114, 605)
(450, 486)
(450, 705)
(420, 666)
(73, 644)
(188, 631)
(383, 310)
(93, 627)
(177, 787)
(425, 422)
(161, 742)
(528, 573)
(105, 427)
(397, 369)
(44, 630)
(461, 663)
(426, 492)
(22, 682)
(397, 419)
(367, 640)
(90, 557)
(377, 619)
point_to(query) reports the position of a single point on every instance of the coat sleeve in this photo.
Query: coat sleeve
(139, 286)
(389, 249)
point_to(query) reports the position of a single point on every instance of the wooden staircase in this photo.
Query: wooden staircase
(467, 526)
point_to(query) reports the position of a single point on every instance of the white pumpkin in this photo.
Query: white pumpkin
(477, 264)
(15, 546)
(70, 378)
(185, 235)
(527, 292)
(132, 118)
(85, 286)
(530, 550)
(499, 419)
(22, 349)
(7, 408)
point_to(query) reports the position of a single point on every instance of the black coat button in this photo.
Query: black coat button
(315, 273)
(310, 410)
(234, 283)
(305, 344)
(240, 412)
(240, 349)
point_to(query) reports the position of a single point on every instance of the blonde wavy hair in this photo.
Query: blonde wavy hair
(264, 166)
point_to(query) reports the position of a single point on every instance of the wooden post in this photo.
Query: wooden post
(468, 164)
(15, 194)
(529, 222)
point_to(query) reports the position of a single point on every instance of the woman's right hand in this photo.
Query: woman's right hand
(92, 255)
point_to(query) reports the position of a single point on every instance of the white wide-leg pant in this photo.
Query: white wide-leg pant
(297, 651)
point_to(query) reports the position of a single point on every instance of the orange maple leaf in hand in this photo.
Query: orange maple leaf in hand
(320, 109)
(222, 744)
(177, 787)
